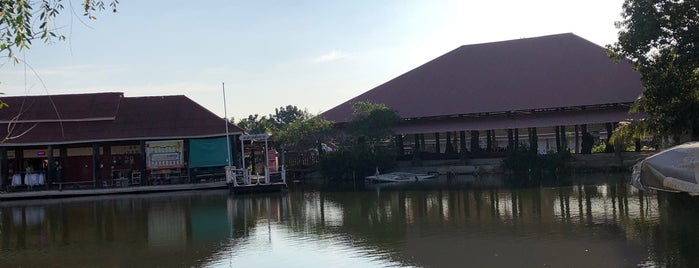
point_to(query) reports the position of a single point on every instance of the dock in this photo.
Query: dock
(46, 194)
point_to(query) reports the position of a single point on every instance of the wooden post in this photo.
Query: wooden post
(534, 146)
(488, 141)
(475, 140)
(516, 139)
(564, 140)
(558, 139)
(50, 168)
(577, 140)
(510, 140)
(436, 143)
(96, 165)
(4, 169)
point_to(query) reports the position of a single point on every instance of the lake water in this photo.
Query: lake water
(586, 221)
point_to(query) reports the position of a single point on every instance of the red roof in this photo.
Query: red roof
(553, 71)
(97, 117)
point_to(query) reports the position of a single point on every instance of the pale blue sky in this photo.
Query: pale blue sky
(312, 54)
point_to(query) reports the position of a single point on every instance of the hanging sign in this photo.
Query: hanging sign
(165, 154)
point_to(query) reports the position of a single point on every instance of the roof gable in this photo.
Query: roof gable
(546, 72)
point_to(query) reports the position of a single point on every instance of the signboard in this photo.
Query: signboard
(165, 154)
(254, 137)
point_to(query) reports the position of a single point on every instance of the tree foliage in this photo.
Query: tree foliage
(285, 116)
(23, 21)
(369, 143)
(304, 133)
(660, 37)
(255, 124)
(372, 123)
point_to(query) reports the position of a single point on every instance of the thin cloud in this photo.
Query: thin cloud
(330, 56)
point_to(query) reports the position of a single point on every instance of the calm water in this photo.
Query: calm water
(455, 222)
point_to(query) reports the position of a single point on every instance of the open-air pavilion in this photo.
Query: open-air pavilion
(552, 93)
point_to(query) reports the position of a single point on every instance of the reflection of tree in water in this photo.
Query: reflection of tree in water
(675, 238)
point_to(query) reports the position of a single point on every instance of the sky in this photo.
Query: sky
(268, 54)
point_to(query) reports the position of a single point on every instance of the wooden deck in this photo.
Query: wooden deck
(39, 194)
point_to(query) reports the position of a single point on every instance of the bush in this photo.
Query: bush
(360, 162)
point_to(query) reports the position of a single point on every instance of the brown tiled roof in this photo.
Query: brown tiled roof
(109, 117)
(553, 71)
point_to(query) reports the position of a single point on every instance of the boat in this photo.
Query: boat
(398, 177)
(673, 170)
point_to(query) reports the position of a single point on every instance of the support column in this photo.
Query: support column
(609, 148)
(558, 139)
(510, 140)
(577, 140)
(96, 165)
(399, 144)
(449, 148)
(422, 142)
(475, 146)
(462, 141)
(489, 141)
(4, 169)
(437, 147)
(516, 139)
(564, 140)
(533, 140)
(50, 167)
(416, 147)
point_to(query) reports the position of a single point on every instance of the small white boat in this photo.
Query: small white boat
(398, 177)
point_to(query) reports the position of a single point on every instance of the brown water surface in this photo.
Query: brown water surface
(455, 222)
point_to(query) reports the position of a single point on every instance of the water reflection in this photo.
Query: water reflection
(601, 225)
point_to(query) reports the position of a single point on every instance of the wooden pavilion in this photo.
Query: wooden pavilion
(550, 93)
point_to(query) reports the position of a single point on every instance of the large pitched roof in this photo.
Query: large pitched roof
(545, 72)
(80, 118)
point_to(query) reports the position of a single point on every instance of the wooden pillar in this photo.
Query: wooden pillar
(577, 140)
(564, 140)
(516, 139)
(436, 143)
(533, 140)
(96, 165)
(50, 167)
(489, 141)
(510, 140)
(106, 161)
(608, 148)
(462, 141)
(416, 147)
(449, 148)
(4, 170)
(399, 144)
(475, 146)
(558, 139)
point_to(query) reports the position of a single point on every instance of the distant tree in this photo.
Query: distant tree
(303, 134)
(661, 39)
(23, 21)
(255, 124)
(368, 144)
(372, 123)
(285, 116)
